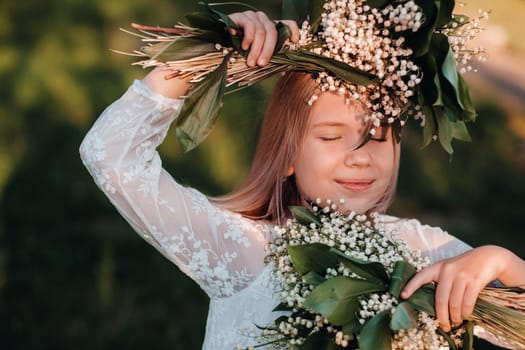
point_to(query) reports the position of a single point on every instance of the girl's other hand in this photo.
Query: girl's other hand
(260, 35)
(460, 280)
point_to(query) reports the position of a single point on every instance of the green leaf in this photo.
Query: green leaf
(420, 42)
(378, 4)
(423, 299)
(452, 109)
(313, 278)
(402, 273)
(337, 298)
(451, 344)
(468, 336)
(234, 40)
(282, 307)
(180, 49)
(216, 37)
(430, 87)
(449, 71)
(316, 9)
(439, 98)
(318, 341)
(352, 327)
(456, 96)
(304, 215)
(460, 131)
(339, 69)
(283, 33)
(204, 21)
(201, 108)
(445, 12)
(301, 10)
(463, 96)
(186, 141)
(429, 130)
(372, 271)
(312, 257)
(298, 10)
(444, 129)
(376, 334)
(209, 27)
(222, 16)
(404, 317)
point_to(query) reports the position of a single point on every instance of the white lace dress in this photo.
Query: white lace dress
(220, 250)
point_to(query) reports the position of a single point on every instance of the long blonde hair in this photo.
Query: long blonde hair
(267, 191)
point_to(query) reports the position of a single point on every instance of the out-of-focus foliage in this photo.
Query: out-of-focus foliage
(73, 275)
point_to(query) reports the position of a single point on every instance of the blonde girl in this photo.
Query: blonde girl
(304, 152)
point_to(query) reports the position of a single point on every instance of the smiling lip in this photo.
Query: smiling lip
(356, 185)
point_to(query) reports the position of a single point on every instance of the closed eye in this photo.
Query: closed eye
(381, 133)
(329, 138)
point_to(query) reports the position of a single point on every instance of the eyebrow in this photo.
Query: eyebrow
(333, 124)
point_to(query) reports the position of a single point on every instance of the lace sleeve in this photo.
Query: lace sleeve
(433, 242)
(220, 250)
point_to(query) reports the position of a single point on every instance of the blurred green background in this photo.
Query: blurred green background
(73, 275)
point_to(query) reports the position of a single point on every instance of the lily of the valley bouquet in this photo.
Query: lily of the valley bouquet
(339, 278)
(396, 57)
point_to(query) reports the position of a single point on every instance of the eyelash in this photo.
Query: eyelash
(378, 139)
(382, 134)
(381, 138)
(330, 138)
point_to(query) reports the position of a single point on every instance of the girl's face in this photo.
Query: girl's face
(328, 164)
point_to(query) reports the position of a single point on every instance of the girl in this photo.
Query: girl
(304, 152)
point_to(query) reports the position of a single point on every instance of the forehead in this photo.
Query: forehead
(333, 108)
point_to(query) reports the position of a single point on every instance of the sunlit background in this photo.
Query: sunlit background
(73, 275)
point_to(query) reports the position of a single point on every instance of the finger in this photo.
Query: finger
(255, 35)
(270, 39)
(294, 28)
(443, 289)
(426, 275)
(469, 300)
(245, 22)
(457, 294)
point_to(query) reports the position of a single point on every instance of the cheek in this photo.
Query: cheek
(315, 162)
(311, 170)
(389, 161)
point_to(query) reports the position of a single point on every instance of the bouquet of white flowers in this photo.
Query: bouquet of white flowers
(340, 277)
(396, 57)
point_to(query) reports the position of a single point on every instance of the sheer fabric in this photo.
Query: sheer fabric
(222, 251)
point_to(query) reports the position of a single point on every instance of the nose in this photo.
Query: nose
(359, 157)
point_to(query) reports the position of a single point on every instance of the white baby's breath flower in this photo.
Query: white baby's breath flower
(362, 237)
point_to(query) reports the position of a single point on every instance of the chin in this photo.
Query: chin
(359, 209)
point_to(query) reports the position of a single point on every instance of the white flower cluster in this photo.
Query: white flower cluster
(358, 236)
(362, 37)
(459, 33)
(374, 41)
(376, 303)
(425, 337)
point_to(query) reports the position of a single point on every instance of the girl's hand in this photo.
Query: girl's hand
(461, 279)
(260, 35)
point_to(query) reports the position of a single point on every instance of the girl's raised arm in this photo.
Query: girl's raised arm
(220, 250)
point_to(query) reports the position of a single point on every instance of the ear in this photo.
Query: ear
(290, 171)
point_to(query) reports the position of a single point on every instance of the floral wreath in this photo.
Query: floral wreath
(399, 58)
